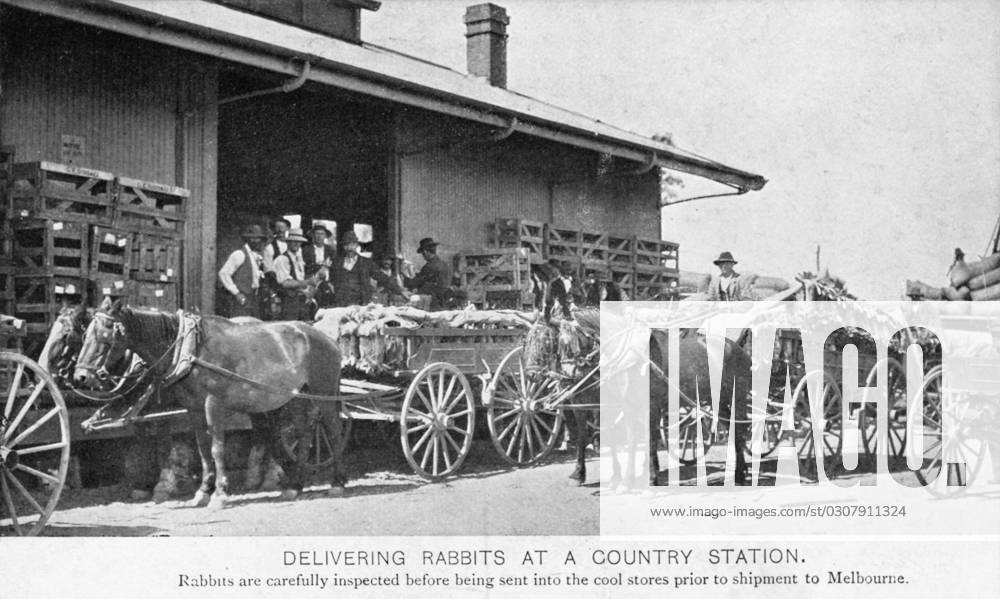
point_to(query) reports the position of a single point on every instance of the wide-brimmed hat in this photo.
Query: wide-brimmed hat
(296, 235)
(321, 227)
(349, 237)
(427, 243)
(252, 231)
(725, 257)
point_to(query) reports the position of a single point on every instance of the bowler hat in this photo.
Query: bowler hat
(252, 231)
(296, 235)
(321, 227)
(348, 237)
(723, 258)
(427, 243)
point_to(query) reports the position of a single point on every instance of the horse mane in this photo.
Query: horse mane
(150, 328)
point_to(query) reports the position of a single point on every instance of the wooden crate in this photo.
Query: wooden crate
(12, 332)
(148, 294)
(621, 251)
(593, 248)
(110, 285)
(494, 269)
(561, 243)
(507, 300)
(657, 253)
(110, 252)
(519, 233)
(39, 298)
(652, 284)
(60, 192)
(156, 258)
(7, 294)
(50, 247)
(145, 207)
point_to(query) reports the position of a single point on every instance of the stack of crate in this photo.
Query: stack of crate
(642, 268)
(75, 234)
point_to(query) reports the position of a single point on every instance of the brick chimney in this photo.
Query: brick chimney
(486, 42)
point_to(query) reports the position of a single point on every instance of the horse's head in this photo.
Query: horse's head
(103, 345)
(64, 341)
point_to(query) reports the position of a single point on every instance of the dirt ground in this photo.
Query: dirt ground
(383, 497)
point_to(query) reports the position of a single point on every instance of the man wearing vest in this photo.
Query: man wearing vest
(290, 273)
(434, 279)
(277, 246)
(240, 276)
(728, 285)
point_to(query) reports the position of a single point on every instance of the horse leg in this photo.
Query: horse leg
(297, 411)
(199, 425)
(330, 413)
(741, 460)
(580, 433)
(257, 461)
(215, 416)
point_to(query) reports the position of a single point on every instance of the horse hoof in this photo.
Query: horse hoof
(289, 494)
(160, 497)
(336, 491)
(201, 499)
(140, 495)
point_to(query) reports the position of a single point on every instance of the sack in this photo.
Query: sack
(990, 293)
(962, 272)
(984, 280)
(959, 294)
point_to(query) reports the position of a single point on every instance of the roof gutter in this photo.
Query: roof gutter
(204, 40)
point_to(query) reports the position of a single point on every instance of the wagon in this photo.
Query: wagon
(34, 438)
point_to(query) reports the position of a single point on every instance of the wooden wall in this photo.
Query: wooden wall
(134, 103)
(451, 189)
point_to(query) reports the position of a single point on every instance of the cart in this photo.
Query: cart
(34, 438)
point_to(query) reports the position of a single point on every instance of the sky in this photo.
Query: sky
(876, 123)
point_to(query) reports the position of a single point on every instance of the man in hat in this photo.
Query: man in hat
(434, 278)
(728, 285)
(351, 275)
(290, 274)
(241, 274)
(280, 226)
(319, 252)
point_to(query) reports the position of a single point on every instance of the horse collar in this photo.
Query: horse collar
(185, 346)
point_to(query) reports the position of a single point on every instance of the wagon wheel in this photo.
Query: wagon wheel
(769, 427)
(868, 418)
(962, 444)
(831, 437)
(688, 441)
(523, 430)
(437, 421)
(321, 447)
(34, 437)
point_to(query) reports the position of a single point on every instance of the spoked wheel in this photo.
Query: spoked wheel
(868, 418)
(437, 421)
(831, 437)
(689, 443)
(34, 445)
(945, 454)
(765, 435)
(323, 451)
(522, 428)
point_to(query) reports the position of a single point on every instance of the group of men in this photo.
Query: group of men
(285, 276)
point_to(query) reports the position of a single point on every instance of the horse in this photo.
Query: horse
(694, 385)
(255, 368)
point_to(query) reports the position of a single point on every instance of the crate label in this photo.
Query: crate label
(56, 226)
(106, 291)
(158, 293)
(163, 278)
(71, 289)
(170, 272)
(109, 238)
(60, 289)
(119, 284)
(25, 214)
(122, 242)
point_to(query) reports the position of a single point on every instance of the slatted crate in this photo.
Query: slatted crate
(148, 294)
(656, 253)
(593, 248)
(12, 332)
(624, 278)
(39, 298)
(156, 258)
(146, 207)
(519, 233)
(110, 252)
(621, 251)
(561, 243)
(109, 285)
(7, 295)
(508, 300)
(653, 283)
(494, 269)
(50, 247)
(59, 192)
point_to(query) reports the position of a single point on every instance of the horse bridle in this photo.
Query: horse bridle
(65, 360)
(106, 340)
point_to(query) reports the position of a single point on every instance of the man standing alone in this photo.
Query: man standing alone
(241, 275)
(728, 285)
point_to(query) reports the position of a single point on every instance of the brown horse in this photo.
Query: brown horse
(694, 385)
(251, 368)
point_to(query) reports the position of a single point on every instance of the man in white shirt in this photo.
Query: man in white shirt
(240, 276)
(728, 285)
(290, 273)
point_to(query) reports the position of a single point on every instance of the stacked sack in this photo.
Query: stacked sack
(978, 281)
